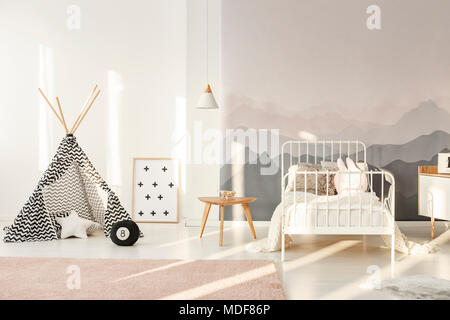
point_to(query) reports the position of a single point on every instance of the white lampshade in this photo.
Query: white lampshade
(207, 100)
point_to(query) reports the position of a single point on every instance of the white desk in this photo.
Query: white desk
(433, 194)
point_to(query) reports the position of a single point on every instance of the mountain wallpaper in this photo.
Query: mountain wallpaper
(324, 73)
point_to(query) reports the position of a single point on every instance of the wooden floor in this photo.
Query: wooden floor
(317, 267)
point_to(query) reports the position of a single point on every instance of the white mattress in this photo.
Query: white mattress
(365, 210)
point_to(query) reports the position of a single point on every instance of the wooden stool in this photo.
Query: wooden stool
(209, 201)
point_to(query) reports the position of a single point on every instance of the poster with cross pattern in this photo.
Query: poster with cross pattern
(155, 190)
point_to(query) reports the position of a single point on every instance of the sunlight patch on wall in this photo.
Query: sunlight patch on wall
(308, 136)
(237, 173)
(46, 83)
(180, 140)
(115, 89)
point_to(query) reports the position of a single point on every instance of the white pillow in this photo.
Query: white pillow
(350, 183)
(360, 180)
(74, 226)
(332, 165)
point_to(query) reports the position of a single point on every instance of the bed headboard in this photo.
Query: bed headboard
(326, 150)
(331, 150)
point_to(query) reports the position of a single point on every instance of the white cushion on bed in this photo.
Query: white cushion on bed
(332, 165)
(345, 183)
(310, 179)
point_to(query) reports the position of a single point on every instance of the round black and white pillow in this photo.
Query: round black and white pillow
(125, 233)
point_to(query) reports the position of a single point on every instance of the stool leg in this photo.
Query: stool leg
(222, 209)
(248, 214)
(432, 228)
(205, 217)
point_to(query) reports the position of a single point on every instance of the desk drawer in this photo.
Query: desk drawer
(434, 197)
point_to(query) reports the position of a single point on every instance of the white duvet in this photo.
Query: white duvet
(379, 215)
(364, 208)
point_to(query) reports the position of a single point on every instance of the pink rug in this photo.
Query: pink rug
(65, 278)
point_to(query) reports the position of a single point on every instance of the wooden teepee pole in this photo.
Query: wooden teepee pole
(82, 110)
(50, 105)
(87, 110)
(62, 115)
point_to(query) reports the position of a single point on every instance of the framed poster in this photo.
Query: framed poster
(155, 190)
(443, 162)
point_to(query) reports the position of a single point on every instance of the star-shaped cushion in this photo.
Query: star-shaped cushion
(74, 226)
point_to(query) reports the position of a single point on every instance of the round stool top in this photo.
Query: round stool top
(226, 202)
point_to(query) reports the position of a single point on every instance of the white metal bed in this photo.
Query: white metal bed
(312, 152)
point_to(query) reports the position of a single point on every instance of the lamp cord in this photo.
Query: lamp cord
(206, 51)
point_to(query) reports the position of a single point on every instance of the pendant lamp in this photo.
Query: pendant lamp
(207, 100)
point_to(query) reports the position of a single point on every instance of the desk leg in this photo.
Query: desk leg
(432, 228)
(222, 211)
(205, 217)
(248, 214)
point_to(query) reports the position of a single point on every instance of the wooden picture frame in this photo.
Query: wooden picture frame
(154, 210)
(443, 162)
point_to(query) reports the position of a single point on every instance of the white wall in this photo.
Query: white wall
(202, 176)
(144, 55)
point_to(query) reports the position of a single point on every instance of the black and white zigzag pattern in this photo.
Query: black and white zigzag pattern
(67, 194)
(36, 221)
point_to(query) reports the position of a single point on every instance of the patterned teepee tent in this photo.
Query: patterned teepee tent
(70, 183)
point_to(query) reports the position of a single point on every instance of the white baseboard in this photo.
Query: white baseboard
(419, 223)
(4, 219)
(216, 223)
